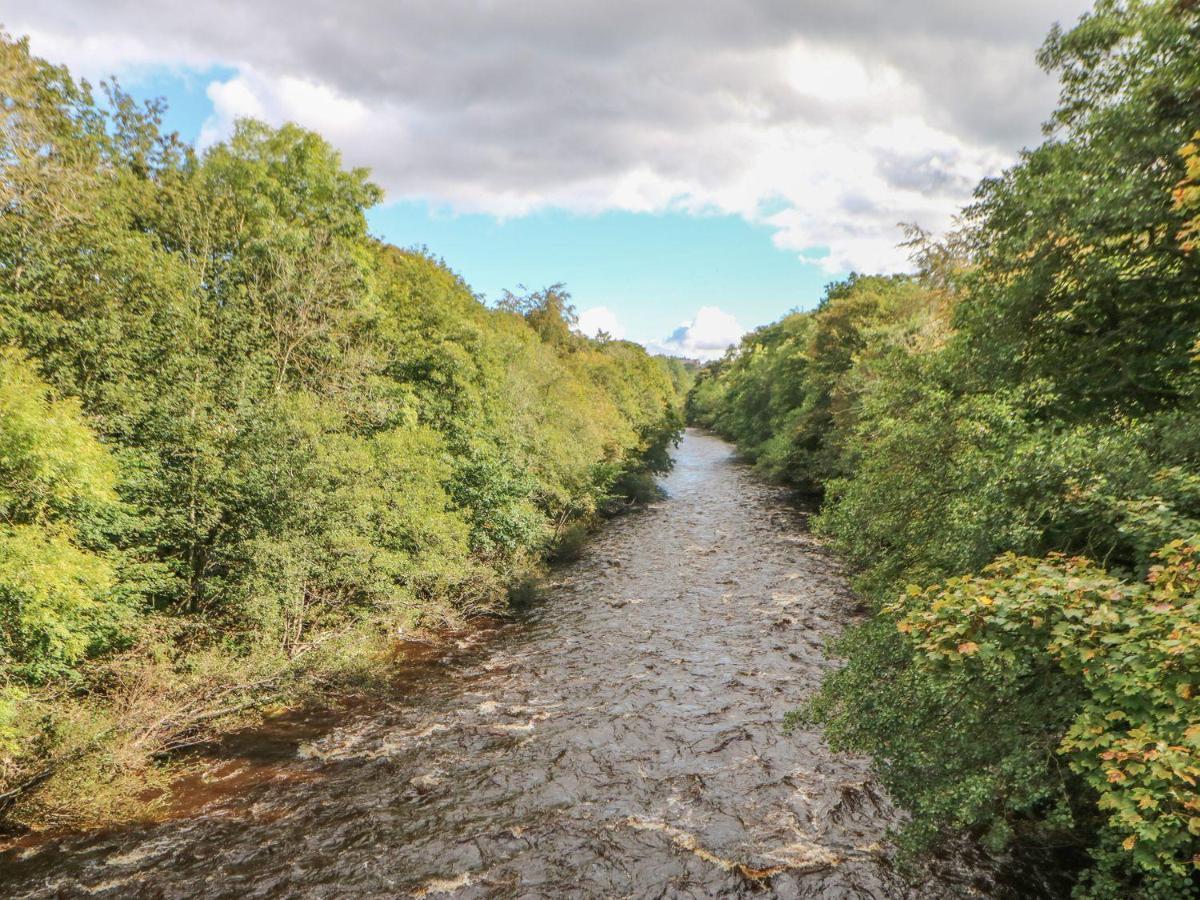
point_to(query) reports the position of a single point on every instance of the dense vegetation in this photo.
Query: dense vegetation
(1007, 447)
(244, 445)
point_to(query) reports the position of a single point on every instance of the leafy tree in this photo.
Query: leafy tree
(58, 594)
(1081, 284)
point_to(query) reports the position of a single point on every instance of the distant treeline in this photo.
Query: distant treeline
(244, 445)
(1007, 445)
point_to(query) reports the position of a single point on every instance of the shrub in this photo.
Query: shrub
(1041, 700)
(58, 597)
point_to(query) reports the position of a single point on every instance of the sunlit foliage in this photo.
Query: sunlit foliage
(236, 431)
(58, 597)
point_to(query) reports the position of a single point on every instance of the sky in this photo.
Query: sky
(690, 169)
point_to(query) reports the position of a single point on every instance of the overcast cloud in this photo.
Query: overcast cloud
(830, 120)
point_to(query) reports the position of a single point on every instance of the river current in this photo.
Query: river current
(621, 738)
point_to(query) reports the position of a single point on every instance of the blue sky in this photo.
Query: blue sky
(653, 271)
(185, 90)
(692, 163)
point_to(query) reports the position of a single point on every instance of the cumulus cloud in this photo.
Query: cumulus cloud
(829, 120)
(707, 336)
(285, 99)
(600, 318)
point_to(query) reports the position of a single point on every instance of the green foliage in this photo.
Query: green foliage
(1081, 283)
(1103, 668)
(235, 429)
(1019, 425)
(58, 601)
(1084, 685)
(52, 467)
(1187, 194)
(790, 390)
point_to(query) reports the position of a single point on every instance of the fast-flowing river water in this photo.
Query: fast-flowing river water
(621, 738)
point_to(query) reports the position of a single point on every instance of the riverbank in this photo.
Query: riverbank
(170, 756)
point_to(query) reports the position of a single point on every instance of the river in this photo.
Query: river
(621, 738)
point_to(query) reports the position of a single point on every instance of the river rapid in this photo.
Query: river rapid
(621, 738)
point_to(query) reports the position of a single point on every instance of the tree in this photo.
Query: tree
(59, 600)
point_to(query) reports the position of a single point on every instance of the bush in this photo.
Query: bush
(1030, 688)
(58, 596)
(569, 543)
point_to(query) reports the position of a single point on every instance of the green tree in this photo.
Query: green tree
(59, 600)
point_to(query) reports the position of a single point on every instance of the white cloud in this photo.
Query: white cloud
(287, 99)
(231, 100)
(842, 117)
(597, 319)
(707, 336)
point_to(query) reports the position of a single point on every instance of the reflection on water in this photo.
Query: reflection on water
(621, 739)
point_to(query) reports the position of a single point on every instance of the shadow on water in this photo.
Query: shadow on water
(619, 737)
